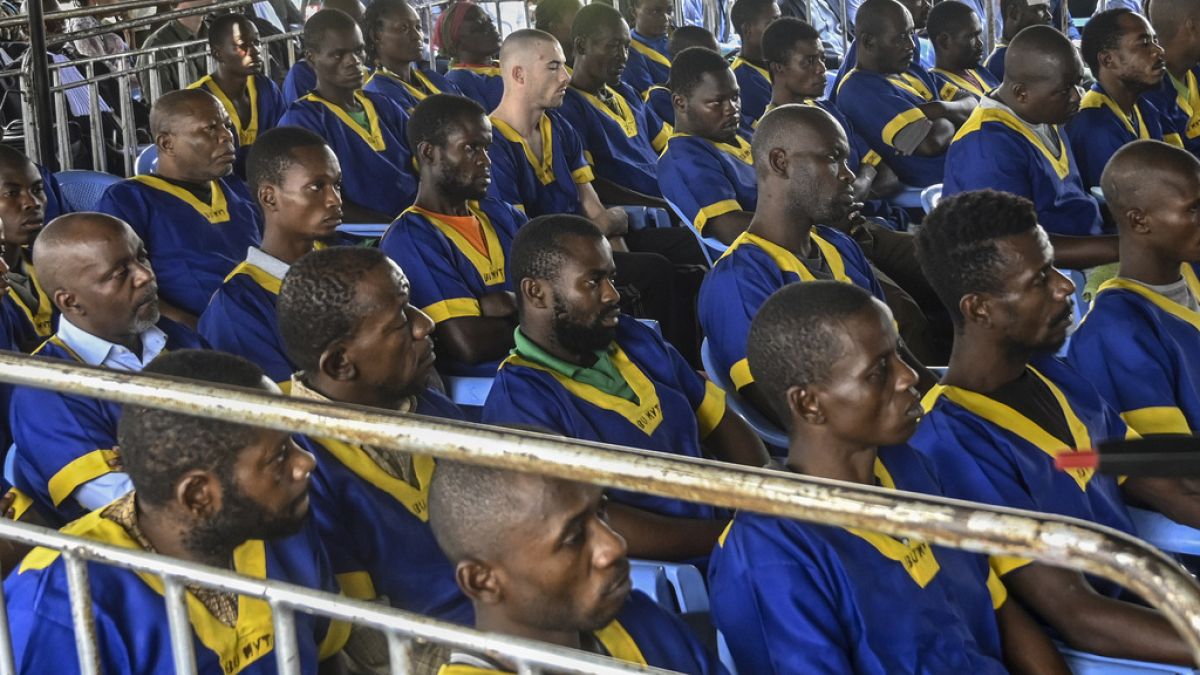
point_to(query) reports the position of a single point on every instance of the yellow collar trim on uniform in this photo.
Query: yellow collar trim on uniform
(1060, 162)
(544, 167)
(649, 52)
(623, 115)
(246, 133)
(415, 499)
(43, 319)
(646, 414)
(216, 211)
(1096, 99)
(490, 71)
(739, 62)
(616, 640)
(1006, 418)
(491, 266)
(373, 135)
(236, 647)
(910, 83)
(788, 262)
(420, 91)
(1159, 300)
(258, 275)
(740, 151)
(976, 87)
(915, 556)
(1189, 104)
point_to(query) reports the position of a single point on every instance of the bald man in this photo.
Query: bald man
(1177, 23)
(95, 269)
(195, 217)
(1014, 142)
(1139, 342)
(538, 559)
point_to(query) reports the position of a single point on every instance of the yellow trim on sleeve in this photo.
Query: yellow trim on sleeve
(660, 141)
(357, 585)
(453, 308)
(1157, 420)
(947, 92)
(1003, 564)
(21, 502)
(996, 589)
(899, 122)
(724, 534)
(583, 175)
(711, 410)
(740, 375)
(336, 636)
(1173, 139)
(79, 471)
(872, 158)
(715, 211)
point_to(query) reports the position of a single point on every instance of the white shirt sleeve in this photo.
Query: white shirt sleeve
(103, 490)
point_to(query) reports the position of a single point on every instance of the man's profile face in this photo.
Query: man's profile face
(964, 47)
(714, 107)
(546, 75)
(821, 178)
(309, 196)
(462, 164)
(1033, 308)
(241, 50)
(608, 52)
(1138, 60)
(1173, 215)
(803, 73)
(203, 140)
(22, 203)
(1055, 98)
(585, 301)
(896, 45)
(339, 60)
(113, 282)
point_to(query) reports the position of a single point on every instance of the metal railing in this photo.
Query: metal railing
(1054, 540)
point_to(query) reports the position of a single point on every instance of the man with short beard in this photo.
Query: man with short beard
(207, 491)
(95, 270)
(583, 370)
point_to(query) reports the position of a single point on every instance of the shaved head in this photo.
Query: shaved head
(1038, 53)
(1140, 172)
(521, 48)
(65, 243)
(178, 104)
(1168, 16)
(800, 154)
(789, 127)
(878, 16)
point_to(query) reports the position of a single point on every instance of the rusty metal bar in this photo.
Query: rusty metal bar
(81, 614)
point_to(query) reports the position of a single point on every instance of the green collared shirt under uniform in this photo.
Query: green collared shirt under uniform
(602, 374)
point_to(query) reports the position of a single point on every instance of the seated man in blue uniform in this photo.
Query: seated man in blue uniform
(207, 492)
(539, 560)
(470, 38)
(1006, 408)
(1127, 62)
(957, 35)
(1017, 15)
(750, 19)
(583, 370)
(650, 56)
(95, 269)
(706, 173)
(252, 101)
(658, 97)
(365, 129)
(295, 178)
(923, 57)
(798, 597)
(621, 137)
(453, 243)
(195, 217)
(28, 312)
(1138, 345)
(1177, 25)
(1015, 141)
(346, 321)
(301, 77)
(893, 104)
(805, 196)
(395, 48)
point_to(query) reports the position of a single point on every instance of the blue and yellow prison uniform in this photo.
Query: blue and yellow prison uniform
(377, 171)
(621, 145)
(658, 100)
(131, 617)
(448, 274)
(407, 95)
(671, 408)
(266, 107)
(1139, 349)
(994, 149)
(999, 456)
(644, 634)
(29, 326)
(703, 179)
(375, 525)
(978, 82)
(1100, 128)
(300, 79)
(649, 62)
(64, 440)
(1178, 101)
(995, 62)
(755, 84)
(482, 84)
(539, 185)
(241, 320)
(797, 597)
(925, 60)
(753, 268)
(192, 245)
(880, 106)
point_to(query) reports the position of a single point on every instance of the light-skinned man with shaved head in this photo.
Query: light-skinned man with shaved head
(195, 217)
(1177, 23)
(96, 270)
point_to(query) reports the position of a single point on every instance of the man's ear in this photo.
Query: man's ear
(336, 364)
(425, 151)
(976, 308)
(1020, 91)
(198, 492)
(166, 143)
(1139, 223)
(267, 197)
(867, 41)
(777, 160)
(479, 582)
(678, 102)
(66, 303)
(536, 292)
(804, 405)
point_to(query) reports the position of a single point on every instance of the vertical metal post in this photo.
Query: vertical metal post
(96, 120)
(128, 131)
(181, 627)
(400, 657)
(81, 614)
(32, 149)
(61, 124)
(7, 666)
(39, 73)
(155, 84)
(846, 29)
(989, 9)
(181, 68)
(287, 657)
(291, 52)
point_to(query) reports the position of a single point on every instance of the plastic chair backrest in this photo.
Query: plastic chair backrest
(908, 198)
(467, 390)
(724, 655)
(772, 435)
(82, 189)
(713, 248)
(147, 160)
(364, 229)
(930, 197)
(650, 578)
(1083, 663)
(1165, 533)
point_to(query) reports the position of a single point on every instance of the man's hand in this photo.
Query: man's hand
(615, 222)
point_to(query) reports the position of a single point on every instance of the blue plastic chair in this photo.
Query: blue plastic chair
(724, 655)
(650, 578)
(766, 430)
(712, 248)
(467, 390)
(830, 79)
(685, 591)
(364, 229)
(642, 217)
(147, 160)
(1080, 307)
(908, 198)
(1082, 663)
(82, 189)
(1165, 533)
(930, 197)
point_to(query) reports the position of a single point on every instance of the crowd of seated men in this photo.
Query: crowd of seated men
(786, 264)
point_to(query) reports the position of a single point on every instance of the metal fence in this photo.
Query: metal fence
(1054, 540)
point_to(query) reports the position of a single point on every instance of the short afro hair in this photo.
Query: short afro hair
(436, 116)
(159, 446)
(690, 36)
(550, 12)
(1101, 33)
(471, 508)
(319, 25)
(593, 19)
(746, 11)
(317, 303)
(781, 37)
(272, 154)
(689, 68)
(221, 28)
(948, 17)
(957, 243)
(539, 249)
(377, 12)
(797, 335)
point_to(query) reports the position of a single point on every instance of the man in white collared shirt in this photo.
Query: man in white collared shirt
(95, 270)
